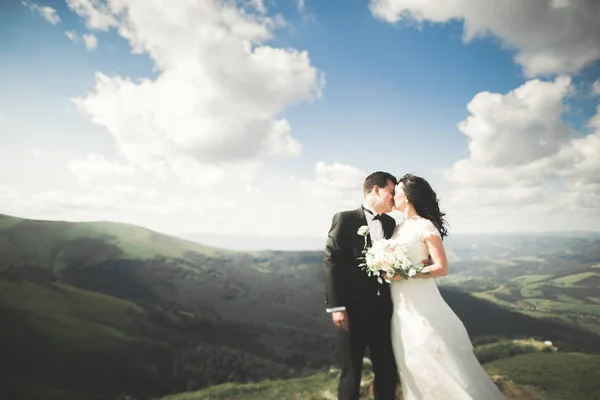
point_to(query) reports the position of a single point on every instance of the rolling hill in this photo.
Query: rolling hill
(102, 310)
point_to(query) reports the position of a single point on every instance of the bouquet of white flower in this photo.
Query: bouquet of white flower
(387, 258)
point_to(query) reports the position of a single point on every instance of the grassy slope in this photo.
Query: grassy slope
(56, 300)
(59, 335)
(573, 279)
(560, 376)
(310, 387)
(137, 264)
(551, 286)
(46, 240)
(68, 343)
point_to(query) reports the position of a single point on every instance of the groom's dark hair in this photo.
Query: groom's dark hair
(378, 178)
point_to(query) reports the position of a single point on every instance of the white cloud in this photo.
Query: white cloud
(131, 190)
(48, 13)
(217, 100)
(58, 200)
(529, 115)
(8, 193)
(301, 6)
(596, 87)
(335, 186)
(498, 198)
(522, 154)
(73, 36)
(97, 15)
(549, 37)
(91, 42)
(97, 166)
(96, 202)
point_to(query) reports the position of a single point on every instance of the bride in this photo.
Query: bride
(432, 348)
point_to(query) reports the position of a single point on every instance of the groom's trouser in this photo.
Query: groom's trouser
(370, 326)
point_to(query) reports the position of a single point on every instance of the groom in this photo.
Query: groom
(361, 308)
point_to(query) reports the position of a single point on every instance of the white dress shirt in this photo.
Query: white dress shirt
(375, 232)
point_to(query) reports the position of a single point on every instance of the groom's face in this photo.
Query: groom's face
(385, 197)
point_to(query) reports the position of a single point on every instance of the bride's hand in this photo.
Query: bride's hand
(427, 262)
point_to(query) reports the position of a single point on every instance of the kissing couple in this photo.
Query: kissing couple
(409, 329)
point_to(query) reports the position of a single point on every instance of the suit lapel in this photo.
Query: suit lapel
(360, 213)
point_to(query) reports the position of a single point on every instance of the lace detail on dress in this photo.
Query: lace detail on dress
(417, 228)
(429, 229)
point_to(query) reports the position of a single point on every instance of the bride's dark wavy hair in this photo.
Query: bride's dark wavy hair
(424, 200)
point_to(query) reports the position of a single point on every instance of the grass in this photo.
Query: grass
(508, 348)
(310, 387)
(48, 243)
(532, 278)
(7, 222)
(80, 335)
(531, 290)
(66, 339)
(561, 376)
(31, 391)
(545, 296)
(61, 337)
(568, 299)
(76, 320)
(573, 279)
(491, 298)
(554, 307)
(54, 299)
(595, 328)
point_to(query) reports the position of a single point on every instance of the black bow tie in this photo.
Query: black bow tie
(378, 216)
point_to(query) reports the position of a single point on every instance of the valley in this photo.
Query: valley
(105, 311)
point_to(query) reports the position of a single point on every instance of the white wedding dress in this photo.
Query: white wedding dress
(432, 348)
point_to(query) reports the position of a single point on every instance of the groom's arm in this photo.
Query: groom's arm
(333, 265)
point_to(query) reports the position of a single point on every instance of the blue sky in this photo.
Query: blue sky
(274, 142)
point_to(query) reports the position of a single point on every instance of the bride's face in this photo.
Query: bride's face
(400, 200)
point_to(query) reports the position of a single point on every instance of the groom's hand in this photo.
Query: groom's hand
(340, 319)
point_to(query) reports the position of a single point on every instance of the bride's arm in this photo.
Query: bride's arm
(438, 254)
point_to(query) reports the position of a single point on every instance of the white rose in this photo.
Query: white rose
(363, 230)
(412, 272)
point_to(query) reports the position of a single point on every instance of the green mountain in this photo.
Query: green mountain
(102, 310)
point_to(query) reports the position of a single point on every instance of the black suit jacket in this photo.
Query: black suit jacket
(347, 284)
